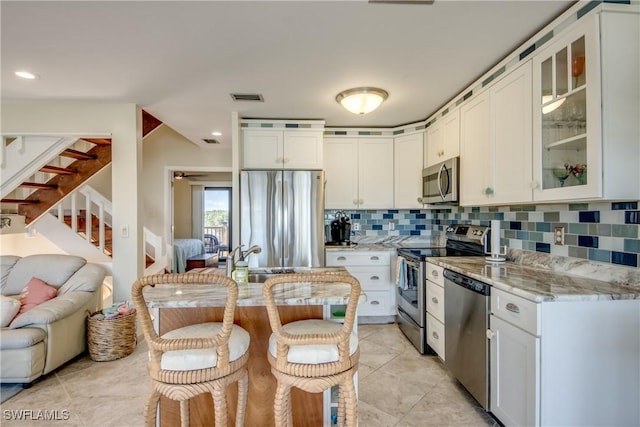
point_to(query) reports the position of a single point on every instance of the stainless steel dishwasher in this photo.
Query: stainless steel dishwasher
(466, 314)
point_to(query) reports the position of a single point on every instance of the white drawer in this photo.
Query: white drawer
(373, 278)
(435, 335)
(435, 300)
(378, 303)
(518, 311)
(435, 273)
(355, 257)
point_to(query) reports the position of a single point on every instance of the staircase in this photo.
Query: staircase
(43, 179)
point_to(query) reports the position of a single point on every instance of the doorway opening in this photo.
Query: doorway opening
(217, 220)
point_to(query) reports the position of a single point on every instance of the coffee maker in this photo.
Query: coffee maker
(340, 230)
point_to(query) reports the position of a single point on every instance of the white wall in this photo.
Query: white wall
(181, 209)
(165, 151)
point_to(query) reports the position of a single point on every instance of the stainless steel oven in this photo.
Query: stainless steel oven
(462, 240)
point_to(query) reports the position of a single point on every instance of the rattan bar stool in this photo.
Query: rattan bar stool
(313, 355)
(195, 359)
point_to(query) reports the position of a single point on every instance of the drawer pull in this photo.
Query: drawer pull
(374, 258)
(434, 300)
(434, 273)
(513, 308)
(341, 258)
(375, 278)
(375, 302)
(435, 335)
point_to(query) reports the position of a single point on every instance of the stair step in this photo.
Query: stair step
(98, 141)
(78, 155)
(57, 170)
(20, 201)
(38, 185)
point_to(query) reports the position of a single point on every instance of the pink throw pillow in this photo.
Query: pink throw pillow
(35, 293)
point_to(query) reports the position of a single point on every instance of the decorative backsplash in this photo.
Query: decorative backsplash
(604, 231)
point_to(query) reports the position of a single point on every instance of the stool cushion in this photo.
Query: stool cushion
(188, 360)
(316, 353)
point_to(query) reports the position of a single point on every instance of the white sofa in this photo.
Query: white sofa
(43, 338)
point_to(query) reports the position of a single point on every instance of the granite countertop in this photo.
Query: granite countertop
(537, 284)
(250, 294)
(390, 243)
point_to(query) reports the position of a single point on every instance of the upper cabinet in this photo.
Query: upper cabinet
(586, 93)
(443, 139)
(495, 142)
(408, 171)
(287, 148)
(359, 173)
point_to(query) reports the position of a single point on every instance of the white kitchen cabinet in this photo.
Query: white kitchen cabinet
(586, 130)
(282, 149)
(407, 192)
(373, 271)
(564, 362)
(359, 173)
(496, 160)
(443, 139)
(435, 308)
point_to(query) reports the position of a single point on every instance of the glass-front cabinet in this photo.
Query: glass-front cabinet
(566, 117)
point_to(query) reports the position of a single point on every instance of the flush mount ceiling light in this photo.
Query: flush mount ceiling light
(216, 133)
(362, 100)
(27, 75)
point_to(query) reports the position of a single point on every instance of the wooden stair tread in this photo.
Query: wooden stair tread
(21, 201)
(38, 185)
(78, 155)
(57, 170)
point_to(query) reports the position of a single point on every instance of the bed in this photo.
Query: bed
(183, 249)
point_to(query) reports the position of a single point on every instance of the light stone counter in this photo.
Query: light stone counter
(537, 284)
(250, 294)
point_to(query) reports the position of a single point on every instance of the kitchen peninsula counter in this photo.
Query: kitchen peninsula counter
(177, 306)
(541, 284)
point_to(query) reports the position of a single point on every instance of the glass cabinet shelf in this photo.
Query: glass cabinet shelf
(578, 142)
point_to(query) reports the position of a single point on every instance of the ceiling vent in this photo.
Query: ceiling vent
(247, 97)
(211, 141)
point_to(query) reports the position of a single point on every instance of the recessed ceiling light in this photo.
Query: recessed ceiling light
(216, 133)
(27, 75)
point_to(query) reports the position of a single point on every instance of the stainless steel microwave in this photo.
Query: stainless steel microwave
(440, 182)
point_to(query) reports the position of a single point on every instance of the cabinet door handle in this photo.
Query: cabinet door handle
(375, 302)
(435, 335)
(355, 201)
(374, 278)
(434, 273)
(487, 191)
(434, 300)
(419, 199)
(285, 160)
(535, 185)
(374, 258)
(513, 308)
(341, 258)
(361, 201)
(490, 334)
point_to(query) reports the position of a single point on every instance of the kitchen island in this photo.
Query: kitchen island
(175, 307)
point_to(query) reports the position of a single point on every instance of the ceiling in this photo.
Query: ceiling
(180, 60)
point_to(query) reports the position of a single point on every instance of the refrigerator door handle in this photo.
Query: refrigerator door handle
(285, 221)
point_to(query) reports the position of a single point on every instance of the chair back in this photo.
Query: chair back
(289, 284)
(158, 345)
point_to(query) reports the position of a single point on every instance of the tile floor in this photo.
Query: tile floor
(397, 387)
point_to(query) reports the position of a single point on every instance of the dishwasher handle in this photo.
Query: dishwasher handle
(467, 282)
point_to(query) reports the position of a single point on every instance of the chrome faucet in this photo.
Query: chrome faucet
(231, 258)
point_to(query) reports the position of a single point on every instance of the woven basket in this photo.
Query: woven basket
(111, 339)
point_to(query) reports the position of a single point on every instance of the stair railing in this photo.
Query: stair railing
(98, 205)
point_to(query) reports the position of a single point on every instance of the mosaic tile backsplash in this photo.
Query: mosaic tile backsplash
(605, 232)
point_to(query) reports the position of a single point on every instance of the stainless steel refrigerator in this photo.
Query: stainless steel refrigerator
(283, 213)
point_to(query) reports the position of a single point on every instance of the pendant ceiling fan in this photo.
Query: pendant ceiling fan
(180, 175)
